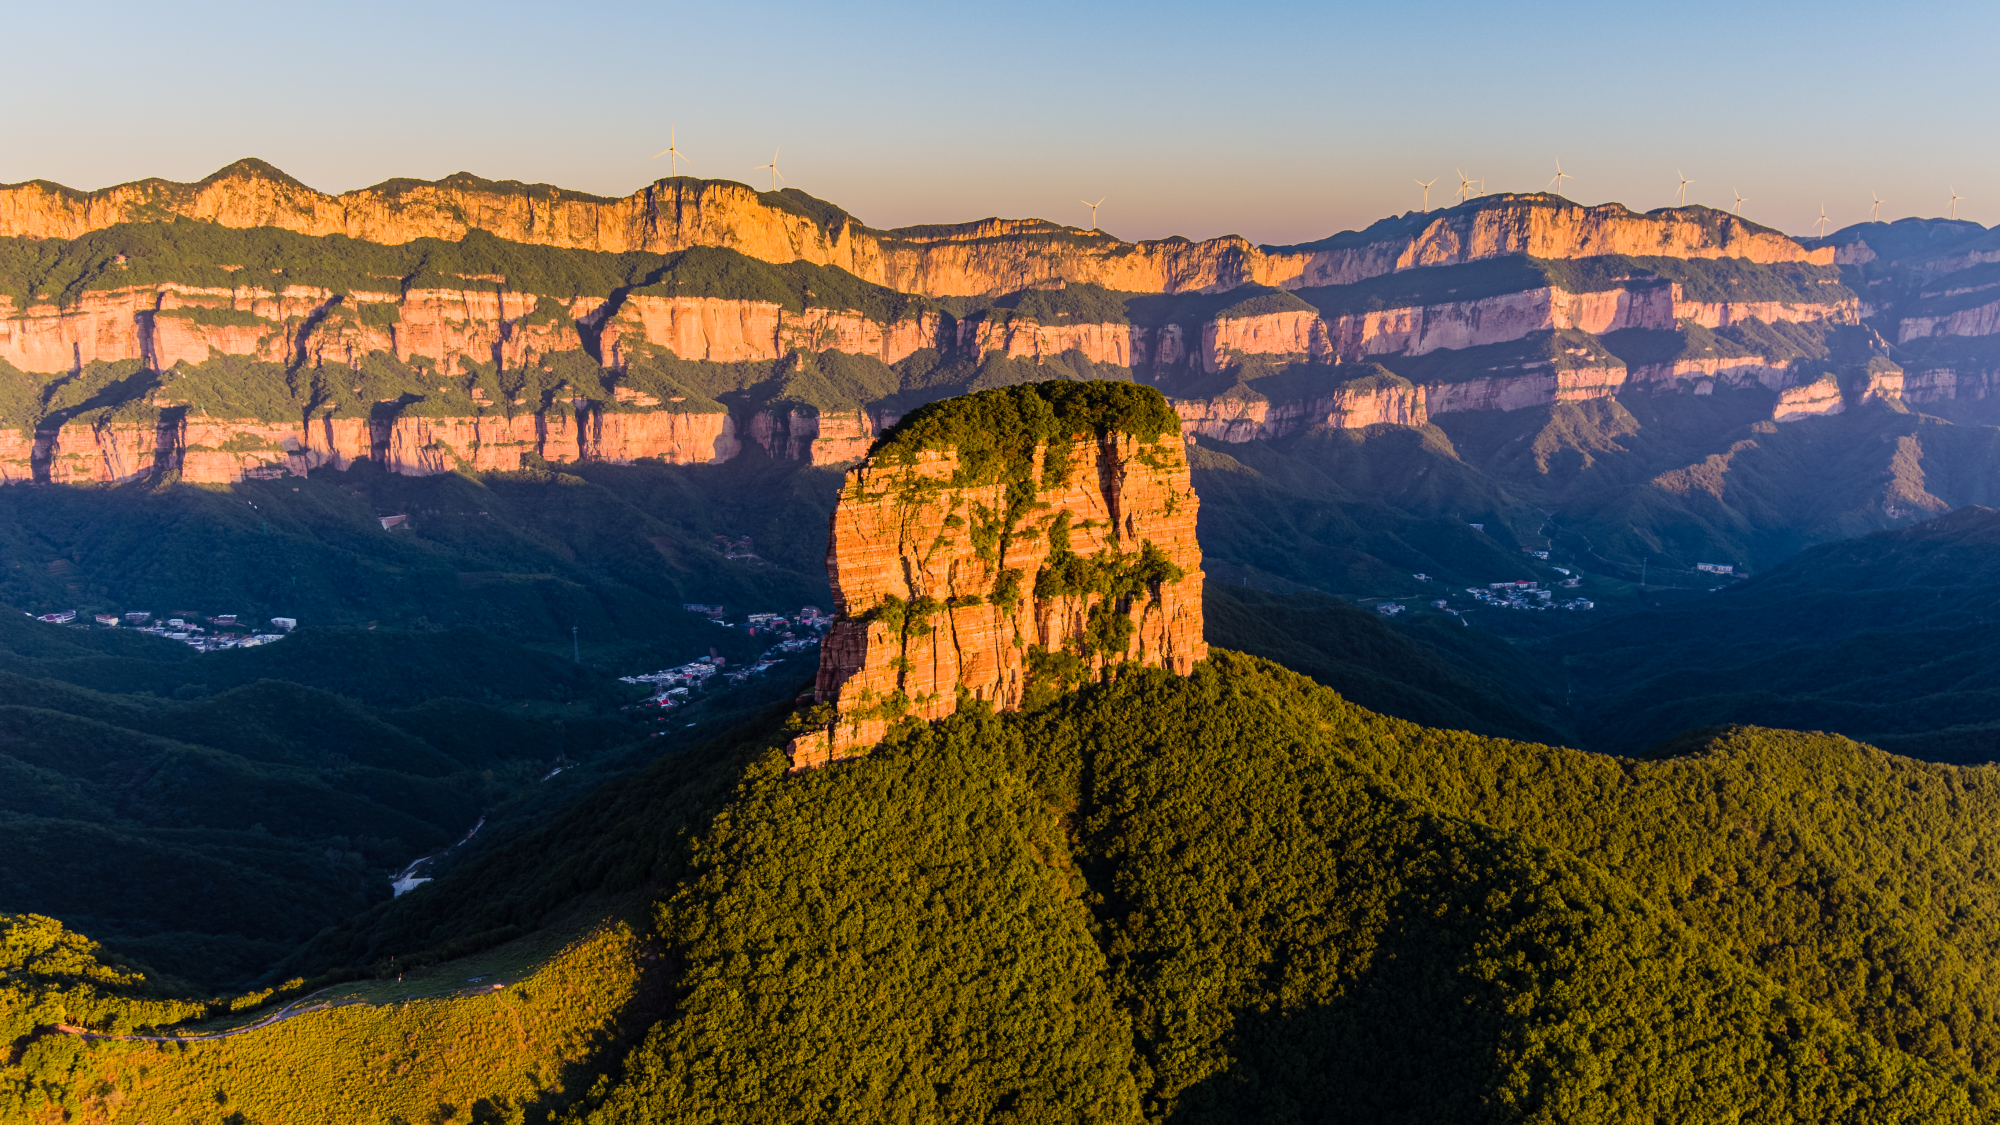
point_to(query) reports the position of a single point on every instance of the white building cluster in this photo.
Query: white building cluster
(204, 634)
(1525, 595)
(791, 633)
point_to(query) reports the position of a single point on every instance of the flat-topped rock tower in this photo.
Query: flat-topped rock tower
(1044, 530)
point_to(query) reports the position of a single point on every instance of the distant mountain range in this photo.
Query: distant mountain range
(247, 326)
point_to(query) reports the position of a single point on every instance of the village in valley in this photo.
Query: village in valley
(789, 633)
(1532, 594)
(203, 634)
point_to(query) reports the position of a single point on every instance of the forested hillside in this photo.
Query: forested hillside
(611, 550)
(1234, 896)
(1886, 638)
(204, 814)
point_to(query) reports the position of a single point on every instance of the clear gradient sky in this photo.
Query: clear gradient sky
(1281, 122)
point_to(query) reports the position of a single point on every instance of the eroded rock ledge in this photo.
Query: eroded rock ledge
(1019, 538)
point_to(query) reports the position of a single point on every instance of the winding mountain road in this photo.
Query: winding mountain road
(282, 1014)
(289, 1011)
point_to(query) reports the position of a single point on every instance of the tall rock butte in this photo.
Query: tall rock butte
(1036, 531)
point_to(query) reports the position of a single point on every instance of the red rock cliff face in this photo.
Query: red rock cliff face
(992, 256)
(161, 324)
(1539, 225)
(904, 538)
(207, 450)
(1354, 407)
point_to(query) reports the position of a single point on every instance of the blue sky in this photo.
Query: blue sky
(1281, 122)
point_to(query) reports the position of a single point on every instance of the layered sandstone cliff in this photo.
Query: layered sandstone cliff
(1947, 383)
(1809, 400)
(1421, 329)
(595, 349)
(169, 323)
(1045, 530)
(452, 424)
(1980, 320)
(163, 325)
(92, 449)
(1370, 397)
(993, 256)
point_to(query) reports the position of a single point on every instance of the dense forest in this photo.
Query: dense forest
(1235, 896)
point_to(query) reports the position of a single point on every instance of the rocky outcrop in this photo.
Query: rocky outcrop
(1421, 329)
(1981, 320)
(1809, 400)
(89, 449)
(1345, 405)
(1297, 335)
(1579, 383)
(956, 577)
(817, 437)
(1693, 374)
(733, 331)
(1019, 338)
(167, 324)
(1494, 320)
(992, 256)
(1722, 314)
(1536, 224)
(1964, 382)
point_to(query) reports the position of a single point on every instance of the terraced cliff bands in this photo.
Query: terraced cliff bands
(699, 320)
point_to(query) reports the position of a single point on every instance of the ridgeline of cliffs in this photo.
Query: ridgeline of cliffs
(217, 349)
(966, 259)
(1037, 533)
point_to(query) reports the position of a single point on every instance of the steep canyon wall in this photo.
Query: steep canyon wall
(446, 331)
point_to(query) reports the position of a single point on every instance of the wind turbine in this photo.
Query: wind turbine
(674, 155)
(1464, 186)
(1559, 177)
(1684, 185)
(773, 166)
(1875, 213)
(1093, 209)
(1426, 185)
(1955, 197)
(1822, 221)
(1740, 201)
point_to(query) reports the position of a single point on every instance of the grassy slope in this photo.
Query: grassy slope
(474, 1053)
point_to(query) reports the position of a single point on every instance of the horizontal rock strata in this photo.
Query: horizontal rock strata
(950, 586)
(993, 256)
